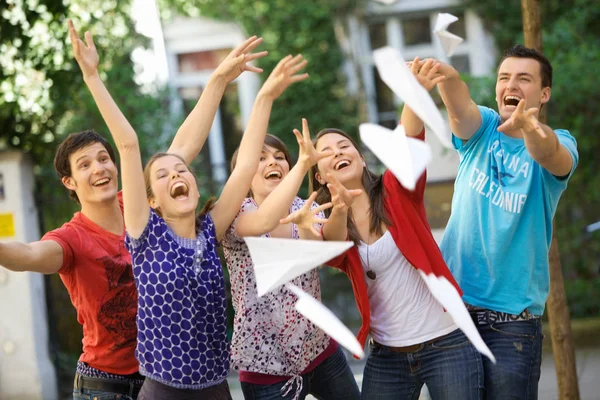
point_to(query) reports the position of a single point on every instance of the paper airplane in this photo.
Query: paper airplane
(447, 295)
(449, 40)
(395, 74)
(406, 157)
(278, 261)
(322, 317)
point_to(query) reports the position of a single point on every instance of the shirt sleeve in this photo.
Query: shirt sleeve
(488, 117)
(555, 183)
(64, 237)
(137, 244)
(231, 235)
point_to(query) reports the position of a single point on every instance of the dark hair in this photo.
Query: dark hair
(520, 51)
(271, 141)
(73, 143)
(149, 194)
(373, 185)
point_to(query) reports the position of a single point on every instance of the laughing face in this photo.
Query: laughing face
(174, 188)
(519, 79)
(272, 168)
(346, 164)
(93, 175)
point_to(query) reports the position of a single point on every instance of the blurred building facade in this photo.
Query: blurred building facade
(195, 46)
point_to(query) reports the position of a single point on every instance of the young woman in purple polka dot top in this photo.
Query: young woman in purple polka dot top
(182, 345)
(277, 351)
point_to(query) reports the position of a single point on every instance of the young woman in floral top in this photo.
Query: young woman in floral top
(278, 352)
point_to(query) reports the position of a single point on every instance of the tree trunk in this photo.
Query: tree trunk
(558, 311)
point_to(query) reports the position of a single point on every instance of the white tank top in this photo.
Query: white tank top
(403, 310)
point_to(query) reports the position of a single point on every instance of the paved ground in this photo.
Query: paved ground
(588, 371)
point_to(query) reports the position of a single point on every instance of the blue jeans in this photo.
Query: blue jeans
(81, 392)
(450, 366)
(517, 346)
(330, 380)
(85, 394)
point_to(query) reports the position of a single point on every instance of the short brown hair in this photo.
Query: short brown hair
(73, 143)
(372, 183)
(520, 51)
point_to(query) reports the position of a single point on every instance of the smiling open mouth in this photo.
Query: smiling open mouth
(179, 191)
(273, 175)
(101, 182)
(341, 165)
(512, 100)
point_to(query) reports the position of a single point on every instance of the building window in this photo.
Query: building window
(412, 35)
(416, 31)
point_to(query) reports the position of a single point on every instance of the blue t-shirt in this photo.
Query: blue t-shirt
(181, 318)
(498, 236)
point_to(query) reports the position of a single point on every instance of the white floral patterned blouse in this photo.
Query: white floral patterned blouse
(269, 335)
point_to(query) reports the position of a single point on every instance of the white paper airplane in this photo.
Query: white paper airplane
(447, 295)
(406, 157)
(278, 261)
(322, 317)
(449, 40)
(395, 74)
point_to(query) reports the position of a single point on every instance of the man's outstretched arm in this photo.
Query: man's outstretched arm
(45, 256)
(463, 113)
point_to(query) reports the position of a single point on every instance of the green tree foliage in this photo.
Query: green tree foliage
(289, 28)
(43, 98)
(571, 40)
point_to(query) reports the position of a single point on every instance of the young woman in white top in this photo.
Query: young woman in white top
(413, 340)
(278, 352)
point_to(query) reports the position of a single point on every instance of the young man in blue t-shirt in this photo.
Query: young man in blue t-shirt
(513, 170)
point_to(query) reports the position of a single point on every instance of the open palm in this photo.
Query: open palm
(85, 53)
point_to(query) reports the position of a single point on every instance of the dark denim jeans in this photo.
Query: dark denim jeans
(451, 367)
(85, 394)
(517, 346)
(330, 380)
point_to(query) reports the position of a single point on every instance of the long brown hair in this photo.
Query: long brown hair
(271, 141)
(149, 194)
(372, 183)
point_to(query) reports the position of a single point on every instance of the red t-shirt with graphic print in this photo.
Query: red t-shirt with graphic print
(97, 273)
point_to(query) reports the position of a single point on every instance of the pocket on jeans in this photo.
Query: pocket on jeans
(521, 329)
(452, 340)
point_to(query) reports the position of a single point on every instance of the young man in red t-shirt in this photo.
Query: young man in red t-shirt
(89, 253)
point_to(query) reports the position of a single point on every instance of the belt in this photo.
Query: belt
(107, 385)
(482, 316)
(409, 349)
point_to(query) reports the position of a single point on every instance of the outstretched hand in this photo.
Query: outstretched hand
(341, 197)
(85, 53)
(309, 156)
(283, 75)
(523, 120)
(427, 72)
(237, 61)
(305, 218)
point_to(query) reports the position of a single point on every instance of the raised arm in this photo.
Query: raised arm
(45, 256)
(192, 134)
(236, 188)
(428, 75)
(136, 206)
(336, 227)
(463, 113)
(277, 204)
(540, 140)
